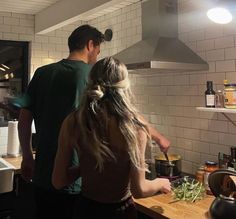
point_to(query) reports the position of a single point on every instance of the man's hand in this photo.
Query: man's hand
(27, 168)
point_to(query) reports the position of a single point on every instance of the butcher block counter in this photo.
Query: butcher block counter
(160, 206)
(14, 161)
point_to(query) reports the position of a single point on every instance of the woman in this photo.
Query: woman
(110, 139)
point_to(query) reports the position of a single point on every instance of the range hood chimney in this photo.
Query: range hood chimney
(160, 49)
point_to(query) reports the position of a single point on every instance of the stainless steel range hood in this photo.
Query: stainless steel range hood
(160, 48)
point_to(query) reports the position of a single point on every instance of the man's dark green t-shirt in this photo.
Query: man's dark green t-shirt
(54, 91)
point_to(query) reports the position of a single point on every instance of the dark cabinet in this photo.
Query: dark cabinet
(18, 204)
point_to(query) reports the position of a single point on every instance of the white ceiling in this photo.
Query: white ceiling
(35, 6)
(25, 6)
(53, 14)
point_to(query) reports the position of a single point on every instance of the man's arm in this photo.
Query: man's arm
(24, 132)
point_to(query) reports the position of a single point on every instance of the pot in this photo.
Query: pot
(224, 188)
(168, 168)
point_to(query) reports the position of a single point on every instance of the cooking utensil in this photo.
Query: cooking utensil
(166, 156)
(171, 167)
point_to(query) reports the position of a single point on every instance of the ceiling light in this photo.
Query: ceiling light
(220, 15)
(5, 66)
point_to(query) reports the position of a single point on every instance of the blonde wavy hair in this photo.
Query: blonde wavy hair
(107, 95)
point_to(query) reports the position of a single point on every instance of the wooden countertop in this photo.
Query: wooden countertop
(14, 161)
(159, 206)
(162, 206)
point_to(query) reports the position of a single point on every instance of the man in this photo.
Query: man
(52, 94)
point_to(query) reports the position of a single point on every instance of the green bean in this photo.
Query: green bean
(188, 190)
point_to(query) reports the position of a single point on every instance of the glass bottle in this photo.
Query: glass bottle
(232, 162)
(210, 95)
(219, 99)
(200, 174)
(210, 166)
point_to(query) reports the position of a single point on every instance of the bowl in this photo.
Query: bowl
(187, 189)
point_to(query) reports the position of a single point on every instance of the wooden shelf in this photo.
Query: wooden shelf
(216, 110)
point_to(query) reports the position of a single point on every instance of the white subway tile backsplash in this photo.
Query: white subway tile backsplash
(224, 42)
(168, 120)
(209, 136)
(196, 35)
(194, 157)
(224, 66)
(156, 119)
(216, 148)
(227, 139)
(217, 78)
(205, 45)
(185, 143)
(214, 55)
(187, 166)
(179, 151)
(200, 146)
(218, 126)
(27, 23)
(5, 28)
(213, 32)
(197, 79)
(208, 157)
(230, 53)
(193, 134)
(232, 129)
(10, 36)
(11, 21)
(26, 37)
(184, 122)
(199, 124)
(5, 14)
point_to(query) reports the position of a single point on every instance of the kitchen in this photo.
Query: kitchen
(167, 99)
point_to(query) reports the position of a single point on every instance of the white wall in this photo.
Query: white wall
(168, 100)
(44, 49)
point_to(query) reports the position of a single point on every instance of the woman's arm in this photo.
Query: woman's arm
(161, 140)
(141, 187)
(63, 173)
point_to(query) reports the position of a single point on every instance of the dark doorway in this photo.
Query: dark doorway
(14, 75)
(14, 65)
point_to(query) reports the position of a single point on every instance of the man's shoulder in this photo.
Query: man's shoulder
(49, 66)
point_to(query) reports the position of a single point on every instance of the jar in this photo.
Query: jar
(210, 166)
(230, 96)
(219, 99)
(200, 174)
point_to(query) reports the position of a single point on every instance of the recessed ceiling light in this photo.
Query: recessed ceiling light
(220, 15)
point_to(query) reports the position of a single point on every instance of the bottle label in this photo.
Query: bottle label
(210, 100)
(230, 97)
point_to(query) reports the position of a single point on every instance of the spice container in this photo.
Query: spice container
(200, 174)
(230, 96)
(210, 166)
(219, 99)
